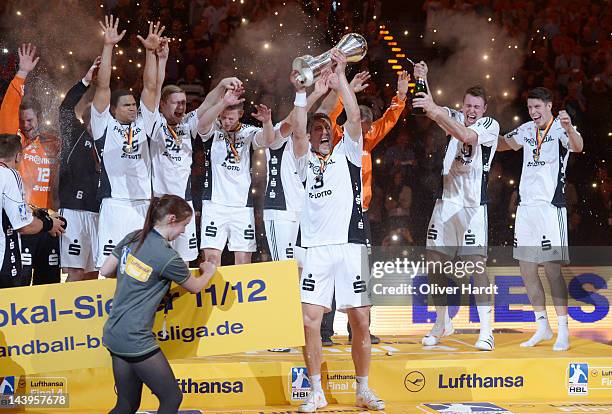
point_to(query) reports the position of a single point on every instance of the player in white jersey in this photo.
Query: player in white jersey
(172, 146)
(458, 224)
(284, 196)
(540, 235)
(121, 134)
(227, 206)
(15, 215)
(332, 229)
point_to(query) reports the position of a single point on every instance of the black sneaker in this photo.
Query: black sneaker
(327, 341)
(373, 339)
(279, 350)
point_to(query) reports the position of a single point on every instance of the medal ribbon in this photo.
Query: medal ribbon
(129, 136)
(231, 143)
(174, 135)
(540, 137)
(323, 161)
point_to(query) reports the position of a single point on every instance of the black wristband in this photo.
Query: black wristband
(47, 223)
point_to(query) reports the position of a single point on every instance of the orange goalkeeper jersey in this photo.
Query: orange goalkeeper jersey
(379, 129)
(39, 162)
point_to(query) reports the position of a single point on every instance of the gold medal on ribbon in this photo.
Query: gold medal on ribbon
(231, 143)
(128, 136)
(540, 139)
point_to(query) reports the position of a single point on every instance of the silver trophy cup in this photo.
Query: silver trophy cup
(353, 45)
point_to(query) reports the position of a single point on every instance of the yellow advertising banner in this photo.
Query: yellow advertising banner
(59, 327)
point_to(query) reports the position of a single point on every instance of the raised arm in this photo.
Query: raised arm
(299, 117)
(102, 96)
(438, 114)
(353, 117)
(576, 142)
(218, 92)
(266, 136)
(9, 111)
(502, 144)
(149, 78)
(231, 97)
(74, 95)
(320, 89)
(162, 58)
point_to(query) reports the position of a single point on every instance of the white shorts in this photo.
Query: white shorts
(282, 235)
(79, 244)
(457, 230)
(186, 245)
(223, 223)
(118, 218)
(540, 234)
(339, 268)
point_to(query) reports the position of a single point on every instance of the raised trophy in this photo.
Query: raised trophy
(353, 45)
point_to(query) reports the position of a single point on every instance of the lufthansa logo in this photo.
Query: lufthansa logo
(414, 381)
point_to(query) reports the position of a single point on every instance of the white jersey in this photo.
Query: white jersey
(543, 175)
(332, 211)
(172, 158)
(126, 169)
(227, 172)
(466, 167)
(284, 191)
(14, 207)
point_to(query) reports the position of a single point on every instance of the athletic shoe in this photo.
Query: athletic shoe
(279, 350)
(315, 400)
(327, 341)
(373, 339)
(485, 341)
(434, 336)
(369, 400)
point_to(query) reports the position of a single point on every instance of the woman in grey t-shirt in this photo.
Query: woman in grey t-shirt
(145, 265)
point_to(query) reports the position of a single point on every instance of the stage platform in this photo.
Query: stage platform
(411, 378)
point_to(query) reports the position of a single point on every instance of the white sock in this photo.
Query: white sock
(315, 383)
(562, 342)
(362, 384)
(543, 333)
(442, 320)
(484, 314)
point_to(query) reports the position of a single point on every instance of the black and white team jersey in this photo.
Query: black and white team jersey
(284, 190)
(465, 170)
(172, 154)
(80, 164)
(332, 212)
(124, 149)
(543, 175)
(15, 215)
(227, 169)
